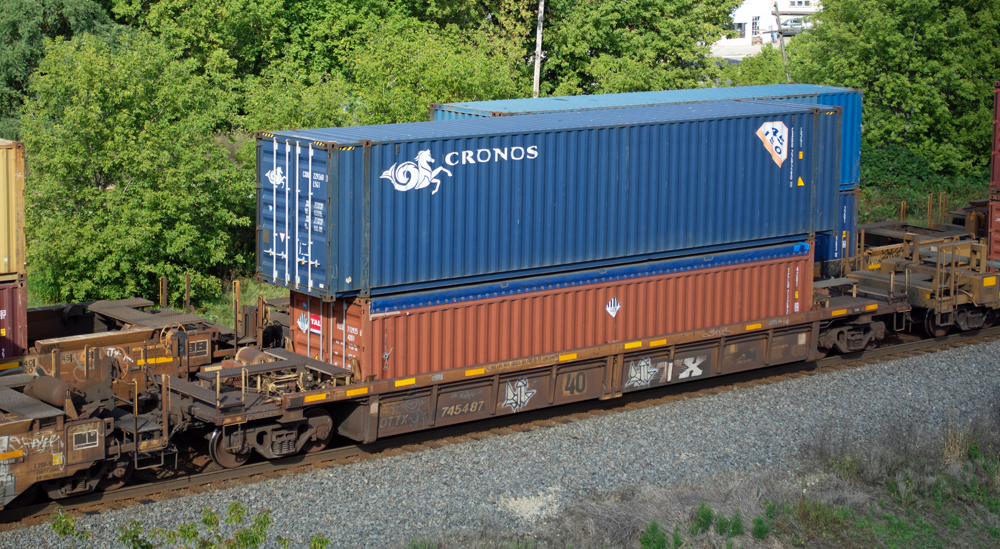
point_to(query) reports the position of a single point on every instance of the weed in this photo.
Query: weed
(421, 543)
(761, 526)
(65, 526)
(845, 466)
(736, 527)
(678, 541)
(956, 445)
(702, 519)
(654, 537)
(722, 524)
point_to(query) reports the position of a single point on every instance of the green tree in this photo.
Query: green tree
(240, 36)
(763, 68)
(130, 180)
(632, 45)
(24, 27)
(282, 99)
(927, 69)
(400, 65)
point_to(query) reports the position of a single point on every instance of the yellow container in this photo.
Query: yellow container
(11, 210)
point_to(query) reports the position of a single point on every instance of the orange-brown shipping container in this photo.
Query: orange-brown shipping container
(13, 322)
(431, 331)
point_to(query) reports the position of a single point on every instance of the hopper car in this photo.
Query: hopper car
(363, 349)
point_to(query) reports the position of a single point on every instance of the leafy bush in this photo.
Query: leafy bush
(653, 537)
(761, 527)
(703, 516)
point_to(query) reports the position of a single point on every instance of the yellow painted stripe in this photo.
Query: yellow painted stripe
(990, 281)
(9, 365)
(839, 312)
(753, 326)
(404, 382)
(160, 360)
(475, 372)
(633, 345)
(356, 392)
(314, 398)
(871, 307)
(658, 343)
(211, 368)
(571, 356)
(12, 455)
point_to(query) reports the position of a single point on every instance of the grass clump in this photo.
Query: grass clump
(653, 537)
(702, 519)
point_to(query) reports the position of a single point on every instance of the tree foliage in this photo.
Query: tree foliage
(766, 67)
(632, 45)
(24, 27)
(401, 65)
(128, 181)
(927, 69)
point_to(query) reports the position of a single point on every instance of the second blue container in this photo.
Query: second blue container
(849, 99)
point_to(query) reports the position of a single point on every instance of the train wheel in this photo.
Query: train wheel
(988, 319)
(932, 328)
(323, 423)
(221, 454)
(119, 474)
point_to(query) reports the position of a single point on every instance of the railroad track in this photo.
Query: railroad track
(181, 484)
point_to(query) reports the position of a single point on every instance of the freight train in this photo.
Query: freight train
(451, 271)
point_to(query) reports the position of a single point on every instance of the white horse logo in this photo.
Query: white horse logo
(275, 177)
(415, 175)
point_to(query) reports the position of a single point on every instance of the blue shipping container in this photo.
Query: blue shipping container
(403, 207)
(847, 98)
(840, 243)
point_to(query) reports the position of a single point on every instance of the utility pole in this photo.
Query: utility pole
(538, 45)
(781, 40)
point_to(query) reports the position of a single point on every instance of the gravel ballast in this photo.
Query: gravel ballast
(516, 481)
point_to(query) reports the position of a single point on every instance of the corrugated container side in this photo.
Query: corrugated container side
(13, 321)
(993, 246)
(490, 327)
(847, 98)
(11, 210)
(533, 198)
(840, 243)
(995, 172)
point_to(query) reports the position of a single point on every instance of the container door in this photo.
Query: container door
(327, 330)
(293, 214)
(13, 321)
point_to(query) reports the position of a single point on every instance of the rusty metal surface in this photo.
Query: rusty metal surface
(13, 321)
(993, 235)
(11, 210)
(459, 334)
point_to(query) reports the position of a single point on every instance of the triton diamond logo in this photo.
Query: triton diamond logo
(612, 307)
(774, 135)
(418, 174)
